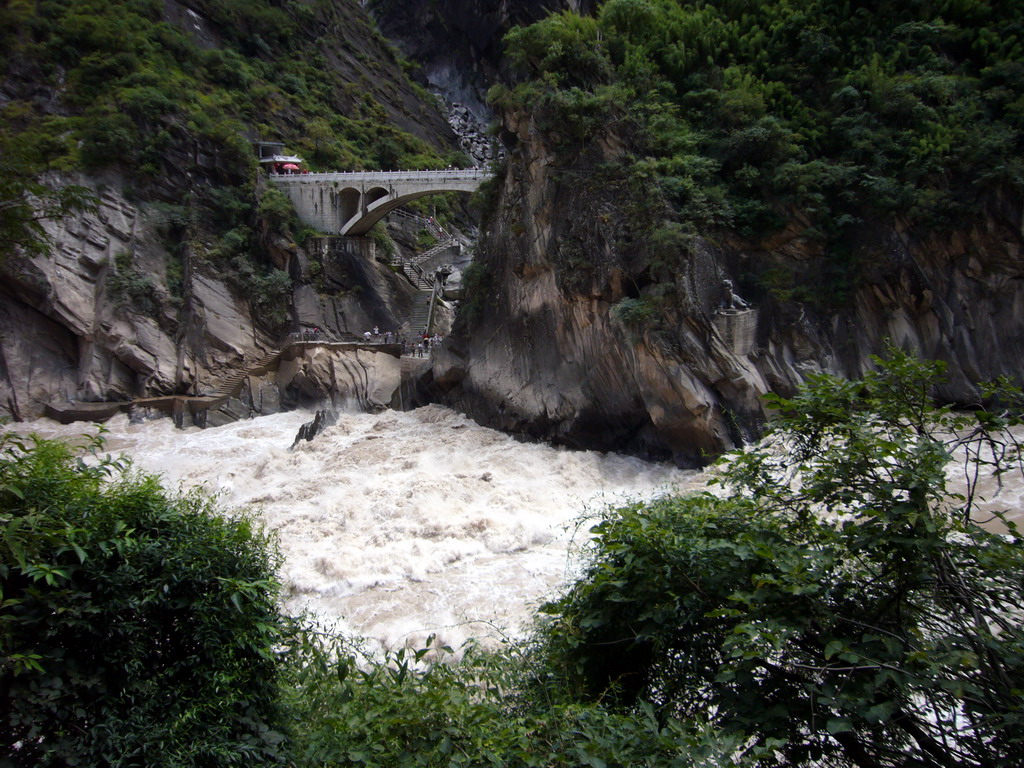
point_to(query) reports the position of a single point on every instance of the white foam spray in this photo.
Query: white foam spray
(398, 525)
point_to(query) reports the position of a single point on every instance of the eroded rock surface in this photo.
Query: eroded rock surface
(70, 331)
(366, 379)
(67, 333)
(552, 350)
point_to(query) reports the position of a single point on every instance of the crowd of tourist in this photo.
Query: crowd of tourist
(418, 345)
(415, 345)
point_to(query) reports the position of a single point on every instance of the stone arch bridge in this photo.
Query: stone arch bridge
(350, 203)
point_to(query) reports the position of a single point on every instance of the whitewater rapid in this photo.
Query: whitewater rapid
(398, 525)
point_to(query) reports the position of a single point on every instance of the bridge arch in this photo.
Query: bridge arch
(362, 223)
(373, 194)
(349, 201)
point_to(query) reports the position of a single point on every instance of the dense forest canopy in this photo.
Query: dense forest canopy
(751, 114)
(117, 83)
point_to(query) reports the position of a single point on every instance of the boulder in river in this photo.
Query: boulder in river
(323, 419)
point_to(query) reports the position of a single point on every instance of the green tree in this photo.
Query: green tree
(422, 707)
(25, 204)
(840, 606)
(137, 627)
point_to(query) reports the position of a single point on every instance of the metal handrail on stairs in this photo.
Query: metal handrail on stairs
(421, 257)
(418, 277)
(433, 304)
(429, 224)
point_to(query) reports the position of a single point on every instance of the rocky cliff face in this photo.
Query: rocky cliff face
(63, 336)
(458, 42)
(558, 346)
(144, 296)
(566, 333)
(86, 323)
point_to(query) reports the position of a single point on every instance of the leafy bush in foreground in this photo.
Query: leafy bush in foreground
(424, 708)
(137, 627)
(839, 607)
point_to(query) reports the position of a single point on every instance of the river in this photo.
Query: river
(397, 525)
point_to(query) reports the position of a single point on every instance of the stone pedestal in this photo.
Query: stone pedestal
(737, 329)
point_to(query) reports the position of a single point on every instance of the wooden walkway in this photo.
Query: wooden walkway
(177, 404)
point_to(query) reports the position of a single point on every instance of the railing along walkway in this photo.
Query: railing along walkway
(230, 386)
(428, 224)
(452, 175)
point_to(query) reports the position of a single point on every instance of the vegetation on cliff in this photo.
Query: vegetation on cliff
(169, 96)
(748, 115)
(837, 607)
(140, 91)
(25, 204)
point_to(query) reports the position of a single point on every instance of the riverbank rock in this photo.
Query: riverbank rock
(364, 379)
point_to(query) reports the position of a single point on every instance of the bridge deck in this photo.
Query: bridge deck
(355, 177)
(350, 202)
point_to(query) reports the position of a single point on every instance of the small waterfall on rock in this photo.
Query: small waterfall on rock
(396, 525)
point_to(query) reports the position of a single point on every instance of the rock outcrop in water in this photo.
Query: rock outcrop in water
(368, 379)
(321, 421)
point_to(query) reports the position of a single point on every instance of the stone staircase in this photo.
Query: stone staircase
(420, 315)
(233, 383)
(411, 268)
(444, 238)
(417, 276)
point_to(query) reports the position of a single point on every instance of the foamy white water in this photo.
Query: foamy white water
(397, 525)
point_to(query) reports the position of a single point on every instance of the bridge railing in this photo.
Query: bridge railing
(428, 223)
(470, 174)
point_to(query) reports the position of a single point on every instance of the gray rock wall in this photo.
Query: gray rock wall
(66, 334)
(366, 379)
(548, 352)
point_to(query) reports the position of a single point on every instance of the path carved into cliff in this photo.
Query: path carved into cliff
(175, 405)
